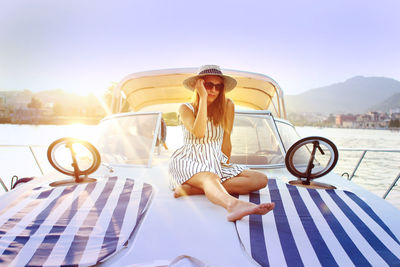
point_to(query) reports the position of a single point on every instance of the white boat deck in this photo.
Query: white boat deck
(195, 227)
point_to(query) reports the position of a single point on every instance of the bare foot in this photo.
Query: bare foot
(242, 208)
(186, 190)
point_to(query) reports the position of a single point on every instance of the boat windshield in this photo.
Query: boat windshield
(254, 140)
(287, 133)
(289, 136)
(131, 138)
(128, 138)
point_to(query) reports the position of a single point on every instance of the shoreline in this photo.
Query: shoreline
(350, 128)
(96, 120)
(55, 121)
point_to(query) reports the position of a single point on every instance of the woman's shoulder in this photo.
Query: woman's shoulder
(229, 103)
(185, 107)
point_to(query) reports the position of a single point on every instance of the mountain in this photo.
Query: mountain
(356, 95)
(58, 95)
(391, 103)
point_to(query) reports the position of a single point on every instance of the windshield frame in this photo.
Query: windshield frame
(267, 115)
(156, 136)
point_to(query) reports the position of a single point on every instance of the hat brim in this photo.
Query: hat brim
(229, 82)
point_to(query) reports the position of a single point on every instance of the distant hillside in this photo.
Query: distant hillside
(392, 102)
(58, 95)
(62, 103)
(356, 95)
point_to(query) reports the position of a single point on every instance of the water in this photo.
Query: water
(378, 169)
(375, 174)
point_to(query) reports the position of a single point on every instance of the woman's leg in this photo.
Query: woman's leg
(244, 183)
(217, 194)
(187, 190)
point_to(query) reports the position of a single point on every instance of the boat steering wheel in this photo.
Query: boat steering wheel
(323, 156)
(85, 159)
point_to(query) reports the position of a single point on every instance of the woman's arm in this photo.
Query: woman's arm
(230, 117)
(196, 125)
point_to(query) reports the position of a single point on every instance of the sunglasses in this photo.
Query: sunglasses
(210, 85)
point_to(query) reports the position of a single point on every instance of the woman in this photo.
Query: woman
(202, 166)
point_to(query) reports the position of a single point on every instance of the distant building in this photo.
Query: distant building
(395, 116)
(29, 115)
(372, 120)
(4, 113)
(15, 99)
(373, 116)
(368, 120)
(347, 120)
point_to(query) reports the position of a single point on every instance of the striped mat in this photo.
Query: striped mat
(311, 227)
(72, 225)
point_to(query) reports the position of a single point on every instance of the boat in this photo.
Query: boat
(109, 202)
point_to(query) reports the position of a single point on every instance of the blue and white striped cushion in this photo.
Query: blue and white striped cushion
(73, 225)
(310, 227)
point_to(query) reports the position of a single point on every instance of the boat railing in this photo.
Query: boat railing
(31, 149)
(350, 177)
(364, 151)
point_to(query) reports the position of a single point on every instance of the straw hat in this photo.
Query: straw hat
(205, 70)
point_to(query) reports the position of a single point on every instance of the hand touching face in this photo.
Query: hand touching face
(200, 88)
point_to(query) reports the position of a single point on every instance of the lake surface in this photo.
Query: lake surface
(378, 169)
(376, 172)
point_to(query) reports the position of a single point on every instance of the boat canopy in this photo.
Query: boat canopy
(150, 88)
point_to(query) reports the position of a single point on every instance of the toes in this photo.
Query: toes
(270, 206)
(264, 208)
(250, 208)
(178, 192)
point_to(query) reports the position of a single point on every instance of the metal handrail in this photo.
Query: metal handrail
(365, 150)
(34, 157)
(3, 185)
(33, 153)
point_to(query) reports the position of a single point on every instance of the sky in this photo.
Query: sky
(83, 46)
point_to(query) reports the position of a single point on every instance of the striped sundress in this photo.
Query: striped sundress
(201, 155)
